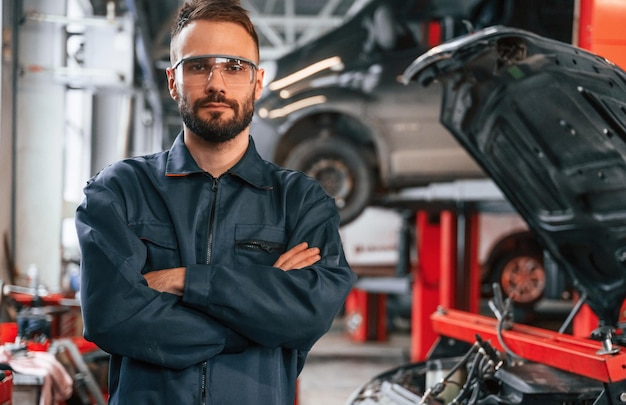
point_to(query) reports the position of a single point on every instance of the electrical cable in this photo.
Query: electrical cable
(500, 327)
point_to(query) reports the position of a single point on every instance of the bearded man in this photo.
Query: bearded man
(208, 273)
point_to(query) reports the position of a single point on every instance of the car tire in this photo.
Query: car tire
(522, 277)
(341, 168)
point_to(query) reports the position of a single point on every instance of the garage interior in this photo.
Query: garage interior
(82, 84)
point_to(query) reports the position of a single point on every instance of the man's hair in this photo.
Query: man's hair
(214, 10)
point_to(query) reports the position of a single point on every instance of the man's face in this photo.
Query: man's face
(215, 111)
(217, 125)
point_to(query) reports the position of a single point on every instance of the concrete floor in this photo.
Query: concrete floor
(337, 365)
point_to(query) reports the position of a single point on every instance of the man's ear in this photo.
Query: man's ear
(171, 83)
(258, 91)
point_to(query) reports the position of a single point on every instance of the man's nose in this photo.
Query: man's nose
(215, 79)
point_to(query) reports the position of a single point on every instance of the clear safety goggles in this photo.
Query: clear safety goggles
(196, 71)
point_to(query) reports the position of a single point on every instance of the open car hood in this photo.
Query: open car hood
(547, 122)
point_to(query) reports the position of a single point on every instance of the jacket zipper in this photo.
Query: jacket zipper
(269, 247)
(209, 248)
(209, 252)
(205, 366)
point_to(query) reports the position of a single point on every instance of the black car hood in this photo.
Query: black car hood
(547, 122)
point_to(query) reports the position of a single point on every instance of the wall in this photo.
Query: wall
(73, 102)
(39, 144)
(6, 140)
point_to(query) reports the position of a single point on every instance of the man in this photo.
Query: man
(208, 273)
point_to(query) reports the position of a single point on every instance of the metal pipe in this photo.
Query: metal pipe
(65, 20)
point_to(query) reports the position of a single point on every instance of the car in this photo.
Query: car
(336, 109)
(547, 123)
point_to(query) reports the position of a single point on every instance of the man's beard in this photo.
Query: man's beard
(213, 129)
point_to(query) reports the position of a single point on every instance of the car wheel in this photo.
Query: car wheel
(342, 170)
(522, 277)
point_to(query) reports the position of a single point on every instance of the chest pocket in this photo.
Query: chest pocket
(259, 244)
(160, 241)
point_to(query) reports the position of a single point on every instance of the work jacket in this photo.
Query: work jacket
(241, 330)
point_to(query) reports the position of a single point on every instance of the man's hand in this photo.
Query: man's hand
(173, 280)
(298, 257)
(168, 280)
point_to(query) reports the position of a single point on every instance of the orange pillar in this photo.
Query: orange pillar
(448, 260)
(601, 29)
(435, 281)
(366, 315)
(472, 249)
(431, 281)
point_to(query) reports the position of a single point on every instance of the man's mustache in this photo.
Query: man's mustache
(215, 98)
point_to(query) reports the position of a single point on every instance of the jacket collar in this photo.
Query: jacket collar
(179, 160)
(251, 168)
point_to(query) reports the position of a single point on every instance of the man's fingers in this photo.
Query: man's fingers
(302, 259)
(298, 257)
(288, 255)
(167, 280)
(306, 261)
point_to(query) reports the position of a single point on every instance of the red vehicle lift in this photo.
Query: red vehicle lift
(447, 274)
(578, 355)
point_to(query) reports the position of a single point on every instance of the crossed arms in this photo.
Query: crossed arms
(173, 280)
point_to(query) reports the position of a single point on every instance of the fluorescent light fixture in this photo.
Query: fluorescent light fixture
(289, 108)
(330, 63)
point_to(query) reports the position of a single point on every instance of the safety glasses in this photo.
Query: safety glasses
(197, 71)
